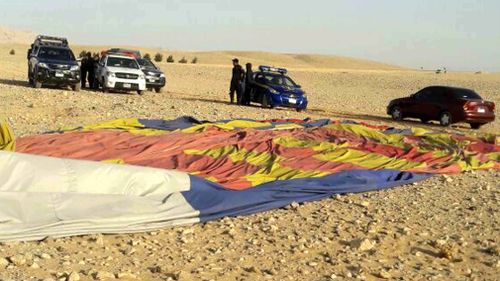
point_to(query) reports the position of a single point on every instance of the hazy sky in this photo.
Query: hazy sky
(458, 34)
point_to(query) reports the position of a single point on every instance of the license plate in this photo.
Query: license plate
(481, 110)
(59, 74)
(291, 100)
(127, 85)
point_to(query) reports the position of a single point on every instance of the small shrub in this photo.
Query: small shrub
(12, 52)
(147, 56)
(82, 54)
(170, 59)
(183, 60)
(195, 60)
(158, 57)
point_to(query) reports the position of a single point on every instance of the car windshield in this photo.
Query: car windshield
(56, 54)
(278, 79)
(146, 63)
(466, 94)
(122, 62)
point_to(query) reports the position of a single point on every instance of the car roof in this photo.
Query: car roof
(54, 47)
(449, 87)
(120, 56)
(272, 73)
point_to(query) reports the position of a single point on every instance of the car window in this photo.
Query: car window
(422, 94)
(146, 63)
(436, 94)
(122, 62)
(259, 78)
(55, 54)
(465, 94)
(278, 79)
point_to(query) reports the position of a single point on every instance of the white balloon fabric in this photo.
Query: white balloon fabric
(43, 196)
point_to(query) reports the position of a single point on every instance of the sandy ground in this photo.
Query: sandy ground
(445, 228)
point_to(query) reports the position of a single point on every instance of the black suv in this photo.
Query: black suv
(155, 79)
(51, 62)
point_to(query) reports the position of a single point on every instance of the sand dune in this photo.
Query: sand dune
(262, 58)
(220, 58)
(20, 40)
(10, 36)
(296, 61)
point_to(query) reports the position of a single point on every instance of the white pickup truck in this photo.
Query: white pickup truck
(120, 72)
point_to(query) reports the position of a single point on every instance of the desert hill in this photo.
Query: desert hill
(261, 58)
(20, 40)
(10, 36)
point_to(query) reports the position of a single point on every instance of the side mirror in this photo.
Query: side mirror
(299, 86)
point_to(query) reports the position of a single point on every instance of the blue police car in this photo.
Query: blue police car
(273, 88)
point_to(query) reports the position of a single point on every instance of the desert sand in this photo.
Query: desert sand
(445, 228)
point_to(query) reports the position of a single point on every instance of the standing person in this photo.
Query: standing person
(249, 84)
(90, 70)
(236, 80)
(84, 70)
(94, 68)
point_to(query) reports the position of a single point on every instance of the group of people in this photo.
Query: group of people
(87, 70)
(242, 83)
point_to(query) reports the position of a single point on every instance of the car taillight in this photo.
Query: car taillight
(468, 106)
(492, 106)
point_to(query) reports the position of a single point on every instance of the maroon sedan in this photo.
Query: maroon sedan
(444, 104)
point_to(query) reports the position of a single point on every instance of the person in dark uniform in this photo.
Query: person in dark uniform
(84, 70)
(90, 70)
(236, 81)
(249, 84)
(95, 66)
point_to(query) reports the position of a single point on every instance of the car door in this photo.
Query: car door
(259, 90)
(427, 104)
(414, 105)
(435, 103)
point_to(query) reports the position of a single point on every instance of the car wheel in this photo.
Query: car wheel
(37, 84)
(140, 92)
(300, 109)
(424, 120)
(76, 87)
(105, 90)
(158, 89)
(445, 118)
(396, 113)
(475, 125)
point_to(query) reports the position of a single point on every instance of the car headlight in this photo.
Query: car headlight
(162, 75)
(42, 64)
(74, 67)
(151, 73)
(141, 76)
(110, 74)
(273, 91)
